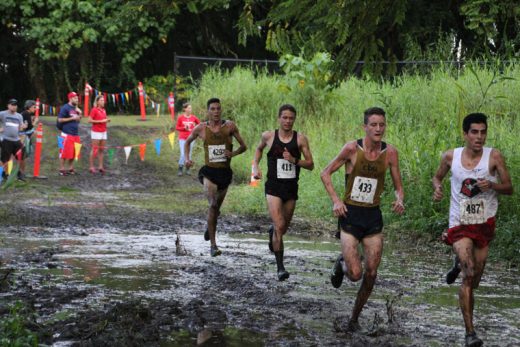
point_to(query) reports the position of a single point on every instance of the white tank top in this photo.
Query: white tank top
(468, 204)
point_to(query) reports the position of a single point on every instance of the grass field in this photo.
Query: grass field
(424, 115)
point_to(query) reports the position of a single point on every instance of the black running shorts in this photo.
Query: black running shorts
(221, 177)
(284, 190)
(9, 148)
(362, 221)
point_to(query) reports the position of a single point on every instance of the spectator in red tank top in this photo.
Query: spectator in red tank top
(99, 120)
(185, 124)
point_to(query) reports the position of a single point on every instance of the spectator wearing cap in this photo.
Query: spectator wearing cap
(11, 124)
(69, 118)
(31, 121)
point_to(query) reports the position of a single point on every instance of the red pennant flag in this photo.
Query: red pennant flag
(18, 155)
(142, 150)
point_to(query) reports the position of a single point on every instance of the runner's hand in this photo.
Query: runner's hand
(484, 184)
(398, 207)
(287, 156)
(339, 209)
(257, 174)
(437, 194)
(228, 154)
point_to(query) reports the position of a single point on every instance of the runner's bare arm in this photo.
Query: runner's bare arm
(192, 137)
(442, 171)
(257, 174)
(395, 173)
(308, 162)
(236, 134)
(505, 186)
(339, 208)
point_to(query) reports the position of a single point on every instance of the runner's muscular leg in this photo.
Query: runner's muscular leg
(215, 199)
(276, 211)
(464, 249)
(349, 250)
(373, 249)
(481, 255)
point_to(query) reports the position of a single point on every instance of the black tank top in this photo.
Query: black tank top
(279, 168)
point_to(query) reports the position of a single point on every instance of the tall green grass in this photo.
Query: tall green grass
(424, 115)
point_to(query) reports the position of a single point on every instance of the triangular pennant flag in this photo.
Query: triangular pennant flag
(18, 154)
(77, 150)
(60, 142)
(111, 152)
(128, 149)
(1, 173)
(158, 109)
(158, 146)
(9, 167)
(171, 137)
(142, 150)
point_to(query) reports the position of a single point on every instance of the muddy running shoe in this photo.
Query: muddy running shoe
(206, 234)
(179, 173)
(473, 341)
(271, 232)
(283, 275)
(336, 275)
(21, 176)
(452, 275)
(214, 251)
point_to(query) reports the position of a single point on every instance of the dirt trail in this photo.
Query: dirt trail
(97, 270)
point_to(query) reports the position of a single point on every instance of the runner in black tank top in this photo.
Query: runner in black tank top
(282, 175)
(283, 170)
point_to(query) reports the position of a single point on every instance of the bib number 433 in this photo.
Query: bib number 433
(364, 189)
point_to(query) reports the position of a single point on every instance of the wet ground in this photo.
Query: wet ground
(96, 270)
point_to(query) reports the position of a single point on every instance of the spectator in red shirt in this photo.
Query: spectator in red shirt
(185, 124)
(99, 120)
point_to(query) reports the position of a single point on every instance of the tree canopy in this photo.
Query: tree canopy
(52, 46)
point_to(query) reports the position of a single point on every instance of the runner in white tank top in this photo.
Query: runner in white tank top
(469, 204)
(478, 174)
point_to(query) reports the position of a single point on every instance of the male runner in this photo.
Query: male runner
(478, 175)
(366, 161)
(283, 170)
(216, 174)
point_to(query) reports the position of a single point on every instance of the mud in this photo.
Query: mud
(93, 270)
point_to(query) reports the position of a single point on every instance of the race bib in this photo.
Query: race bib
(216, 153)
(472, 211)
(285, 169)
(364, 190)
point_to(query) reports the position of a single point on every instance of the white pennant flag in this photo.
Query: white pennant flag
(128, 149)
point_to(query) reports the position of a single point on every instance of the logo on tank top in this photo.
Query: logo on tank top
(469, 187)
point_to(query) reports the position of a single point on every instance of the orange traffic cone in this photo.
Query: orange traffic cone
(254, 181)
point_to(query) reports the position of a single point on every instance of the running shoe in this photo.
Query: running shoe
(21, 176)
(206, 234)
(214, 251)
(283, 275)
(64, 173)
(472, 340)
(271, 232)
(452, 275)
(336, 275)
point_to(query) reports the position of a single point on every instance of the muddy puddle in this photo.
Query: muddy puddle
(132, 287)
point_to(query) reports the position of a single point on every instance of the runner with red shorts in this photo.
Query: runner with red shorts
(478, 175)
